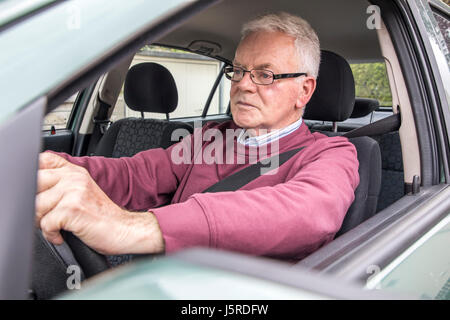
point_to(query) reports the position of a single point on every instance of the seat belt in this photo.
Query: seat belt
(250, 173)
(100, 125)
(242, 177)
(385, 125)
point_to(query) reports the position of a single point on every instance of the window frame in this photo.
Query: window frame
(72, 115)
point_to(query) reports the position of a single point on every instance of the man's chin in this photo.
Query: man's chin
(244, 124)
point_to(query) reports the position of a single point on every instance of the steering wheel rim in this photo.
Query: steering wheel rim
(90, 261)
(50, 274)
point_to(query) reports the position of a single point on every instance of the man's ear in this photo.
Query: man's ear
(307, 87)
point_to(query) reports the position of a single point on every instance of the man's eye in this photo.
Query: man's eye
(264, 75)
(237, 72)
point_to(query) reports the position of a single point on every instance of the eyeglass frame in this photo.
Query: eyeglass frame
(274, 76)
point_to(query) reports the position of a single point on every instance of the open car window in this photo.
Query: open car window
(59, 117)
(194, 76)
(371, 81)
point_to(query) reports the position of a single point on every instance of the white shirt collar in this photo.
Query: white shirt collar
(261, 140)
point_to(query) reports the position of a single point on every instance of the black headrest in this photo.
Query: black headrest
(334, 97)
(150, 87)
(364, 106)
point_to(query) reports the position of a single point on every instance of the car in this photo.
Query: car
(64, 65)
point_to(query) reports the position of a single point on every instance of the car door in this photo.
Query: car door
(69, 58)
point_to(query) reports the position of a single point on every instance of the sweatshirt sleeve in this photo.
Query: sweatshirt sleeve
(146, 180)
(288, 220)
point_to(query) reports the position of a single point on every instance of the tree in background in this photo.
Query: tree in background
(371, 81)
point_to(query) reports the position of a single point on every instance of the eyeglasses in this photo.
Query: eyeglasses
(258, 76)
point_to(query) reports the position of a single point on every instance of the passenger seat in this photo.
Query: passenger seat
(149, 87)
(334, 101)
(362, 108)
(392, 176)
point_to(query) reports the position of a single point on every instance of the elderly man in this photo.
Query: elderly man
(119, 206)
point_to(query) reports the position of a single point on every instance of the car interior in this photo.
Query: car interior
(386, 173)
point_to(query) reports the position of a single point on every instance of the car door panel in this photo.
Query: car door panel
(60, 141)
(380, 239)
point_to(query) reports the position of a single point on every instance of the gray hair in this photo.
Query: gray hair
(306, 39)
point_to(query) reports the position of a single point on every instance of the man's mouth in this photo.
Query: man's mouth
(245, 104)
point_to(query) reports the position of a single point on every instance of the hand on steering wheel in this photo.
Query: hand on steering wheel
(69, 199)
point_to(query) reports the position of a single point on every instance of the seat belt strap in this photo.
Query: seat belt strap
(100, 125)
(250, 173)
(386, 125)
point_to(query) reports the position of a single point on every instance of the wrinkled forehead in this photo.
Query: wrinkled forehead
(267, 50)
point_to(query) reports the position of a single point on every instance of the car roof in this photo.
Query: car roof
(340, 25)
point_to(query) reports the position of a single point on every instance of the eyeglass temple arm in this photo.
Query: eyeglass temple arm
(288, 75)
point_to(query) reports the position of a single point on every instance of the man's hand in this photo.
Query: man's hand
(68, 198)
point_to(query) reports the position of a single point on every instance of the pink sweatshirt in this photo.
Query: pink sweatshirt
(285, 215)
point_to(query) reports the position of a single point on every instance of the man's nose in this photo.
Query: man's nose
(246, 83)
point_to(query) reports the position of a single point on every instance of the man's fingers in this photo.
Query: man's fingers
(51, 224)
(47, 201)
(48, 160)
(47, 179)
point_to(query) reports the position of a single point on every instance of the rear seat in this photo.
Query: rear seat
(392, 178)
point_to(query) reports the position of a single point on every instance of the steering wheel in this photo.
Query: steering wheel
(50, 269)
(90, 261)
